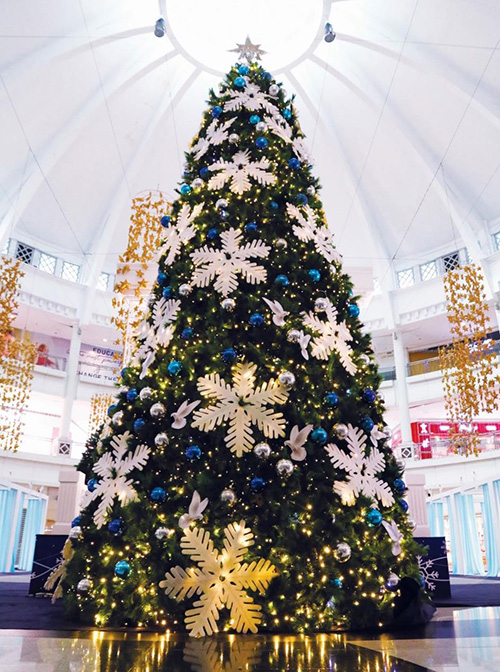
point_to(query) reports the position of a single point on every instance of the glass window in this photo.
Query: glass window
(451, 262)
(47, 263)
(24, 253)
(70, 271)
(102, 282)
(428, 271)
(496, 238)
(406, 278)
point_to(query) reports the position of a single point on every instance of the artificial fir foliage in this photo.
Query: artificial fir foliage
(243, 479)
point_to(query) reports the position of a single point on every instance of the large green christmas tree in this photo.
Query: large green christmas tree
(243, 480)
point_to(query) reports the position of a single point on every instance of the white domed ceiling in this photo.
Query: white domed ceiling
(401, 112)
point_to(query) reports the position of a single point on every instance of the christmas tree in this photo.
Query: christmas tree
(243, 479)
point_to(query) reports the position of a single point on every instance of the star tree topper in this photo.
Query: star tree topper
(248, 51)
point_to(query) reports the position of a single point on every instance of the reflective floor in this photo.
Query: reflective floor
(465, 640)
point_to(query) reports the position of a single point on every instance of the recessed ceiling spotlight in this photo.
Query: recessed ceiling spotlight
(160, 27)
(330, 34)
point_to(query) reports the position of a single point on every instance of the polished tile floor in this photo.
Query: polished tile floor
(458, 640)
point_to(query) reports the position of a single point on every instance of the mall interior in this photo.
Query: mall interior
(400, 106)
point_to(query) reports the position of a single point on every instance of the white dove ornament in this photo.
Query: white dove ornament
(182, 412)
(395, 535)
(279, 314)
(304, 343)
(296, 442)
(195, 511)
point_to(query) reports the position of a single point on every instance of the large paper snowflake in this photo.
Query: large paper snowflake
(279, 127)
(114, 468)
(180, 233)
(308, 230)
(159, 333)
(221, 579)
(332, 337)
(361, 468)
(251, 98)
(239, 171)
(243, 405)
(226, 263)
(216, 134)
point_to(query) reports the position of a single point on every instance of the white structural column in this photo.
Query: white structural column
(417, 503)
(71, 380)
(400, 362)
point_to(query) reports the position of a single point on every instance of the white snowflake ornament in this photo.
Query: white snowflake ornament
(251, 98)
(221, 579)
(239, 171)
(226, 263)
(216, 134)
(159, 333)
(308, 229)
(331, 337)
(114, 468)
(361, 469)
(242, 405)
(180, 233)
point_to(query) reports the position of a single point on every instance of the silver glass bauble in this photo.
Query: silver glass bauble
(281, 243)
(261, 127)
(233, 138)
(161, 439)
(293, 336)
(412, 524)
(274, 89)
(392, 581)
(83, 586)
(262, 450)
(221, 203)
(151, 299)
(184, 289)
(342, 552)
(320, 304)
(228, 304)
(228, 496)
(287, 379)
(197, 183)
(117, 418)
(161, 533)
(401, 464)
(75, 533)
(311, 190)
(364, 358)
(157, 410)
(284, 467)
(341, 431)
(145, 393)
(334, 518)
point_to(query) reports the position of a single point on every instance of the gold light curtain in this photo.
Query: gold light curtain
(17, 359)
(99, 404)
(137, 267)
(469, 379)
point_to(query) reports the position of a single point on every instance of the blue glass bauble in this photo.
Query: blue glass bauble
(256, 320)
(267, 75)
(228, 355)
(139, 425)
(399, 486)
(92, 484)
(122, 569)
(261, 143)
(162, 279)
(251, 227)
(124, 372)
(282, 280)
(116, 526)
(273, 205)
(373, 518)
(76, 521)
(187, 333)
(193, 452)
(112, 410)
(319, 435)
(404, 505)
(336, 582)
(353, 310)
(287, 113)
(243, 70)
(158, 494)
(132, 394)
(212, 234)
(254, 119)
(302, 199)
(165, 221)
(216, 111)
(314, 274)
(294, 163)
(367, 424)
(185, 189)
(331, 399)
(167, 292)
(257, 483)
(369, 396)
(240, 82)
(174, 367)
(204, 171)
